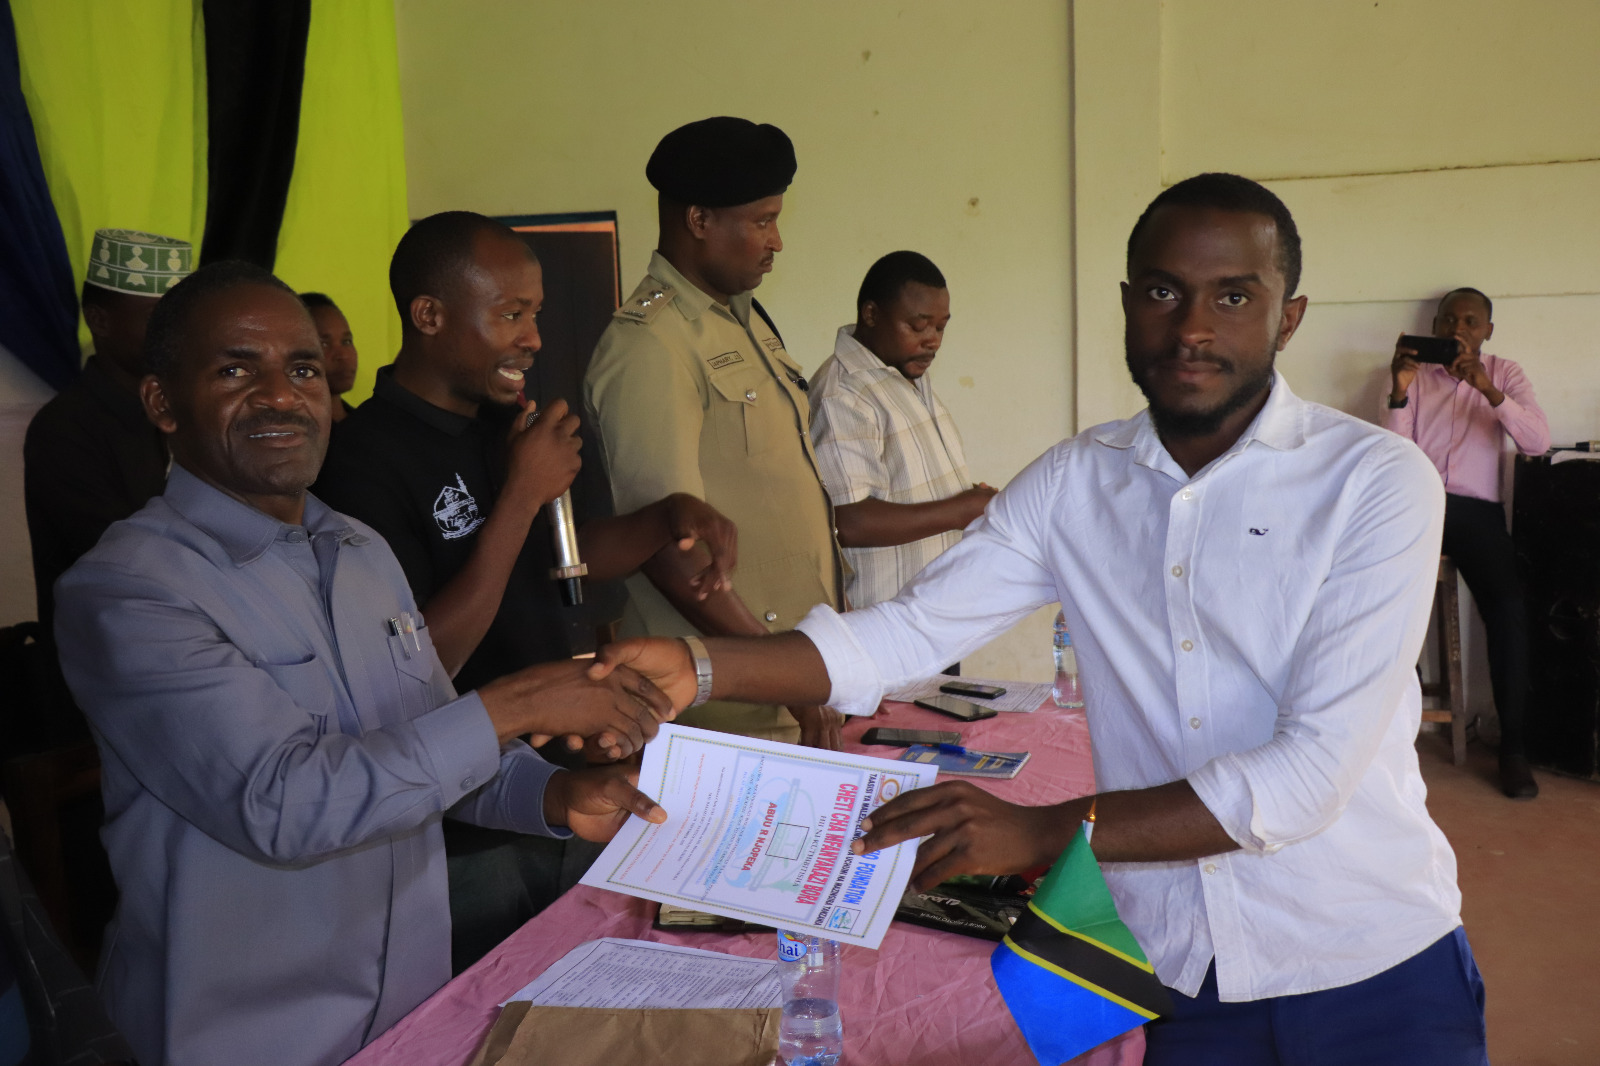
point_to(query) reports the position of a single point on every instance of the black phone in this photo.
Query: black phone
(904, 738)
(1441, 350)
(969, 688)
(967, 712)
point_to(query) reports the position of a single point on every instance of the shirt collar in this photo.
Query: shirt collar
(1280, 425)
(386, 390)
(124, 405)
(691, 299)
(244, 532)
(855, 357)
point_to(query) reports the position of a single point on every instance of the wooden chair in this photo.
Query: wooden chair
(50, 780)
(50, 795)
(1450, 690)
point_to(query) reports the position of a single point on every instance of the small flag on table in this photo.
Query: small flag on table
(1071, 973)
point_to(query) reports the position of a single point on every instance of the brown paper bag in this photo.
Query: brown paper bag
(525, 1035)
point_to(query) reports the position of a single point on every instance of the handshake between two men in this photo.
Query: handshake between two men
(613, 706)
(610, 716)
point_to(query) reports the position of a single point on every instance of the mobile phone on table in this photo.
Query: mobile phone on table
(1441, 350)
(904, 738)
(972, 688)
(967, 712)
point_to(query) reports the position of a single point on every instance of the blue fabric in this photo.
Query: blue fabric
(38, 304)
(1426, 1011)
(15, 1038)
(1059, 1018)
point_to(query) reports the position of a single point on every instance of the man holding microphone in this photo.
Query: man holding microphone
(449, 464)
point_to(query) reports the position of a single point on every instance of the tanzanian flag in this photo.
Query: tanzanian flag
(1070, 972)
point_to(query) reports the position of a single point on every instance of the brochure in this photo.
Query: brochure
(967, 762)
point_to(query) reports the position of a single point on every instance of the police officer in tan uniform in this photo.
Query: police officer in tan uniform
(692, 391)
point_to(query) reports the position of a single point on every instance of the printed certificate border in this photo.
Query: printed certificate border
(653, 787)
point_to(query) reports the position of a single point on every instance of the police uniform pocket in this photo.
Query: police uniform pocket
(781, 591)
(741, 410)
(307, 683)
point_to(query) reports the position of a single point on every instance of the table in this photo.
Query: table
(924, 998)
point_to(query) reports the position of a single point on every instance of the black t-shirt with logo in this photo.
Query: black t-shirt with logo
(426, 479)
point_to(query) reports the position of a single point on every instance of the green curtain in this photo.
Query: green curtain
(116, 92)
(116, 89)
(347, 199)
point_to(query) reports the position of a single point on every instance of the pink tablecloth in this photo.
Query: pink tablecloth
(923, 998)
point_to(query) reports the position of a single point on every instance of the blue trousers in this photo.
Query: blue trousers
(1426, 1011)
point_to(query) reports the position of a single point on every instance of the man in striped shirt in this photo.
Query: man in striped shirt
(889, 453)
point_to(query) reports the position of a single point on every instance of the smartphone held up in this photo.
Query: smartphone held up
(1441, 350)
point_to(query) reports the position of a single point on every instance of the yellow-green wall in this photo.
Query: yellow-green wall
(938, 126)
(1420, 144)
(941, 126)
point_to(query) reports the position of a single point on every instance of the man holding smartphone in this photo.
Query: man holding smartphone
(1460, 413)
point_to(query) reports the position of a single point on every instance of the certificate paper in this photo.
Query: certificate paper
(638, 974)
(762, 831)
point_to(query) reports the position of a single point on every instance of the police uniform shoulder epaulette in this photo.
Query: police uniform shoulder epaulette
(646, 302)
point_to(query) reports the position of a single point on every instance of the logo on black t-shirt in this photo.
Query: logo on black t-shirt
(456, 511)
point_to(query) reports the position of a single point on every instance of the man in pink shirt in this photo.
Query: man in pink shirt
(1457, 414)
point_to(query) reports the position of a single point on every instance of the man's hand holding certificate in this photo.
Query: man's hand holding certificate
(763, 831)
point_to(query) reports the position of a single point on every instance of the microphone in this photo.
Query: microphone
(569, 569)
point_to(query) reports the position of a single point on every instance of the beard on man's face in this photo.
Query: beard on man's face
(1185, 423)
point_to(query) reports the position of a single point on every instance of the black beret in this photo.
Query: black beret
(720, 162)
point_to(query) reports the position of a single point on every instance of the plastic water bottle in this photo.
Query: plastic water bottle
(1066, 691)
(811, 1033)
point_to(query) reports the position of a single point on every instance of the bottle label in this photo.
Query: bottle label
(792, 948)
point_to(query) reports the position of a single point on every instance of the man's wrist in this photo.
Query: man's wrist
(1397, 402)
(555, 798)
(516, 509)
(502, 701)
(660, 516)
(702, 669)
(1063, 828)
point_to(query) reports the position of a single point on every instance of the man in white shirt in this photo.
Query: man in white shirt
(887, 449)
(1248, 577)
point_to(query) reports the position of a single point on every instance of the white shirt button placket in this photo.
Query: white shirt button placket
(1183, 526)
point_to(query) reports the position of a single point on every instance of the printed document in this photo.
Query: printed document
(762, 831)
(637, 974)
(1019, 695)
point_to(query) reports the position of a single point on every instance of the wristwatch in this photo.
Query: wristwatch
(1403, 401)
(702, 669)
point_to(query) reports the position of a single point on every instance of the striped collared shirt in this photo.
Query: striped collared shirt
(878, 434)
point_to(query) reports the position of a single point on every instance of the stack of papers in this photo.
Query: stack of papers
(636, 974)
(1019, 695)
